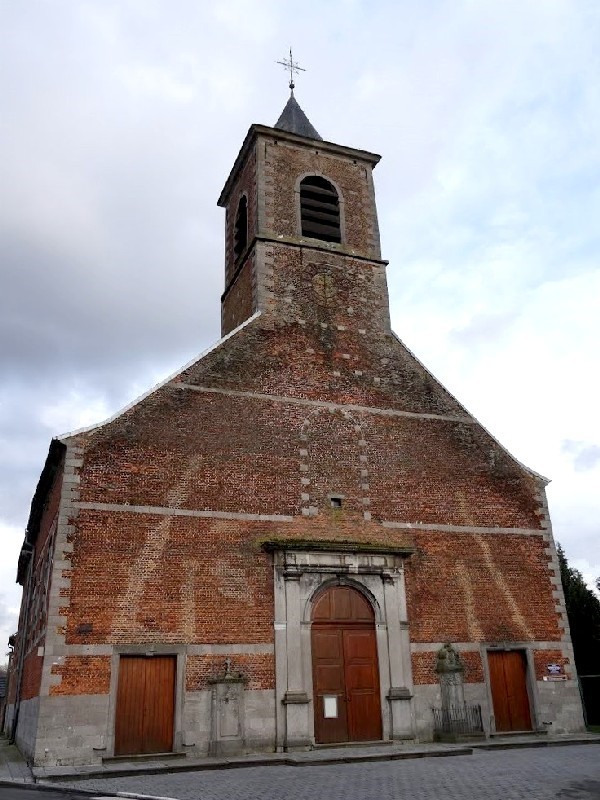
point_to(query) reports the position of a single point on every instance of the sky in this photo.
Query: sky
(122, 118)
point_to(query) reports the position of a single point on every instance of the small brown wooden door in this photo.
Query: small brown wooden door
(145, 705)
(345, 669)
(508, 679)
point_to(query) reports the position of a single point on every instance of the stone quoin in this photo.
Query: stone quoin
(270, 550)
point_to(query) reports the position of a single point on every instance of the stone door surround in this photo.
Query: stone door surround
(301, 573)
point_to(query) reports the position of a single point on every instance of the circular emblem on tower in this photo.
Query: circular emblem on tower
(324, 288)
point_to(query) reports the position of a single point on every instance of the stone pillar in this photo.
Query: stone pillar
(400, 693)
(295, 698)
(227, 713)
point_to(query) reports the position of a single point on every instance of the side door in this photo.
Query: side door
(145, 705)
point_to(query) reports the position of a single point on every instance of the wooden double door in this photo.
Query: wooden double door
(145, 705)
(508, 682)
(347, 703)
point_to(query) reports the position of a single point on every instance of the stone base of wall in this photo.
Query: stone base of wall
(556, 708)
(27, 727)
(429, 695)
(559, 707)
(71, 730)
(258, 723)
(8, 719)
(74, 730)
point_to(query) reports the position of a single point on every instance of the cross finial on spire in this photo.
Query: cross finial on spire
(293, 68)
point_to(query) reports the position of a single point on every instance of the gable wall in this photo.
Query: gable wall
(177, 495)
(237, 452)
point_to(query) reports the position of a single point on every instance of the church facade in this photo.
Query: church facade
(301, 538)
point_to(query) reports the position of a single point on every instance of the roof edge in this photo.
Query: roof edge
(257, 130)
(160, 384)
(55, 455)
(513, 458)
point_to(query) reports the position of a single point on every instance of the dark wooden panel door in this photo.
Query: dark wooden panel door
(145, 705)
(362, 684)
(345, 669)
(508, 679)
(331, 719)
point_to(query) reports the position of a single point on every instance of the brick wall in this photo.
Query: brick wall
(476, 587)
(239, 302)
(150, 578)
(258, 669)
(541, 659)
(423, 667)
(82, 675)
(245, 184)
(32, 675)
(285, 162)
(196, 450)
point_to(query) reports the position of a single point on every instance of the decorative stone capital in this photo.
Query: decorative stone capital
(295, 698)
(399, 693)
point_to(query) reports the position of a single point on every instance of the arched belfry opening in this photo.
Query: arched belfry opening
(347, 704)
(320, 209)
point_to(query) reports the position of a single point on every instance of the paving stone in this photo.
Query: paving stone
(560, 773)
(13, 766)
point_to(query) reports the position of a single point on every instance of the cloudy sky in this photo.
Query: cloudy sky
(121, 119)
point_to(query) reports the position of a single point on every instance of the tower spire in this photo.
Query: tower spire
(292, 118)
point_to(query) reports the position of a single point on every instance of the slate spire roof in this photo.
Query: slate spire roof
(294, 120)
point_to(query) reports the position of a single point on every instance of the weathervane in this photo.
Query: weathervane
(293, 68)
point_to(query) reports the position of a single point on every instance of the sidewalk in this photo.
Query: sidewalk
(334, 755)
(14, 769)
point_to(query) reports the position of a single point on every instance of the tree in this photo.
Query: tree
(583, 611)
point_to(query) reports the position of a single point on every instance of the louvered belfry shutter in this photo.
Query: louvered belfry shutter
(319, 209)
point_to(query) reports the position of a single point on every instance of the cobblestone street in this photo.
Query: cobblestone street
(565, 773)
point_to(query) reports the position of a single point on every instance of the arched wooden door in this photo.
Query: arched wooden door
(347, 704)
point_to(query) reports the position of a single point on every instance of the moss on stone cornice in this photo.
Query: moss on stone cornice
(329, 545)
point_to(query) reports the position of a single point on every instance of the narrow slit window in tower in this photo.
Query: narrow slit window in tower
(240, 233)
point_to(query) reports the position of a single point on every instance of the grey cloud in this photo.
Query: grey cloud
(50, 321)
(484, 328)
(8, 623)
(585, 456)
(111, 251)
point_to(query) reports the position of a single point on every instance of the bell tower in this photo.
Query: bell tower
(301, 232)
